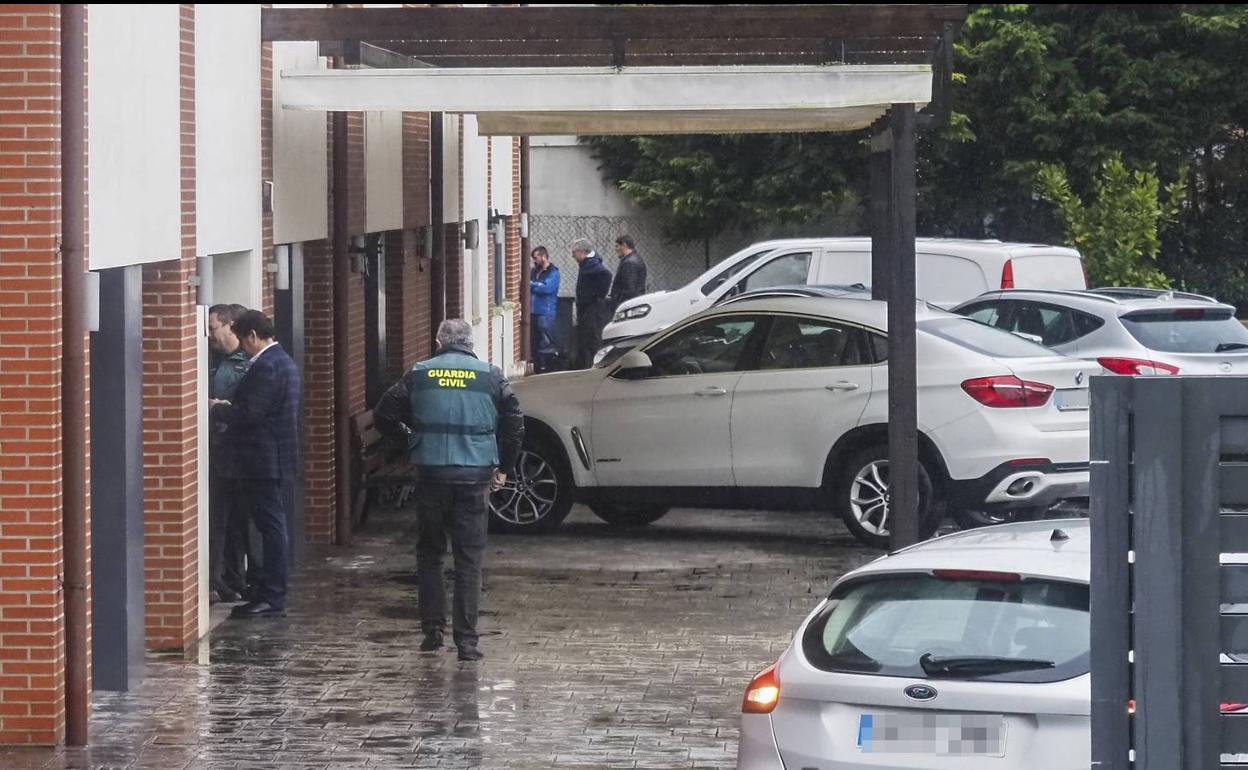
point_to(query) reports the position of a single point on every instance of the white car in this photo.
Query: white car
(1127, 331)
(947, 272)
(783, 402)
(967, 652)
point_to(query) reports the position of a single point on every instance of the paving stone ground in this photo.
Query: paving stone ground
(605, 648)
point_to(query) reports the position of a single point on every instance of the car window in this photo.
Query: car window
(795, 343)
(1188, 330)
(786, 270)
(1054, 325)
(1086, 324)
(988, 313)
(885, 625)
(723, 275)
(710, 346)
(879, 348)
(987, 340)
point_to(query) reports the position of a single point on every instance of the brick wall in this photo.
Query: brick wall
(266, 168)
(32, 643)
(170, 421)
(516, 259)
(318, 392)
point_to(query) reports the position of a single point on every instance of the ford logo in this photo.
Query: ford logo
(1079, 378)
(920, 692)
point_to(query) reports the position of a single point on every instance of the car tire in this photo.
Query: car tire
(859, 488)
(625, 515)
(538, 494)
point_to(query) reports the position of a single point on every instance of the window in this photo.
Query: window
(787, 270)
(879, 348)
(1052, 324)
(795, 343)
(885, 625)
(722, 276)
(711, 346)
(988, 313)
(1188, 330)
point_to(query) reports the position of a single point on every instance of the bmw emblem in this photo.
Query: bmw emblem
(920, 692)
(1225, 366)
(1079, 378)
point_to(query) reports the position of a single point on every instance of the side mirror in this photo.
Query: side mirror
(634, 365)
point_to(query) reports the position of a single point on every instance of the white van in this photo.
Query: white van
(948, 271)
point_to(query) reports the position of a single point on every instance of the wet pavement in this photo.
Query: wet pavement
(604, 648)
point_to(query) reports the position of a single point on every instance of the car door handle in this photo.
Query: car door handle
(710, 392)
(843, 385)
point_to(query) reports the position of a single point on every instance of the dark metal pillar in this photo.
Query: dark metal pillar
(117, 482)
(892, 247)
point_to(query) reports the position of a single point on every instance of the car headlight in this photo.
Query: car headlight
(601, 354)
(640, 311)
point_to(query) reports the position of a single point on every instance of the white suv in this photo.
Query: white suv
(948, 271)
(783, 402)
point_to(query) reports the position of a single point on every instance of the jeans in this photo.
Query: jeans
(457, 510)
(545, 349)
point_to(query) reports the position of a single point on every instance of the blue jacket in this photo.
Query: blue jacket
(593, 284)
(545, 290)
(262, 421)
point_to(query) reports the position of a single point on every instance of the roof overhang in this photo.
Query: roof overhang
(632, 100)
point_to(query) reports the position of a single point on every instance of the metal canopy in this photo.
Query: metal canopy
(644, 100)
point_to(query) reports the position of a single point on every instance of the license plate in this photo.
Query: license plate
(942, 735)
(1072, 399)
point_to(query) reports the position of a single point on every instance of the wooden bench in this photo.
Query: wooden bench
(379, 473)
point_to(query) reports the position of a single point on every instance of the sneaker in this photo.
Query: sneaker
(470, 653)
(432, 642)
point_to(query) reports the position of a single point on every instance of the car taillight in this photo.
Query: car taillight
(1136, 366)
(1234, 708)
(979, 575)
(1007, 275)
(1007, 392)
(763, 693)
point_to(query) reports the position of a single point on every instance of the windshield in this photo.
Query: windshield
(1188, 330)
(983, 339)
(924, 626)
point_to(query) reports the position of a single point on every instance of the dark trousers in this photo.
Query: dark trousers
(589, 325)
(457, 510)
(545, 349)
(233, 558)
(264, 502)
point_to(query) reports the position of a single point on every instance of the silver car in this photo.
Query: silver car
(916, 661)
(1127, 331)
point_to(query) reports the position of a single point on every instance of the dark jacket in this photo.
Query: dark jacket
(261, 438)
(228, 374)
(459, 418)
(544, 287)
(630, 279)
(593, 284)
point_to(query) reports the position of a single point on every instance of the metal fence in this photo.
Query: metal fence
(1169, 572)
(669, 264)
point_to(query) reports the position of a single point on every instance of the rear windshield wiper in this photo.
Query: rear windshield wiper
(1225, 346)
(984, 665)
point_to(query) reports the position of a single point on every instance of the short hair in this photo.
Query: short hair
(226, 314)
(626, 240)
(239, 309)
(455, 331)
(582, 244)
(542, 249)
(254, 321)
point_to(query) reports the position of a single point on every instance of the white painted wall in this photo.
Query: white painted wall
(476, 207)
(450, 168)
(502, 174)
(300, 155)
(134, 148)
(227, 145)
(383, 158)
(567, 182)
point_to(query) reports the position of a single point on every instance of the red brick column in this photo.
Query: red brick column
(170, 416)
(266, 168)
(318, 393)
(517, 261)
(32, 640)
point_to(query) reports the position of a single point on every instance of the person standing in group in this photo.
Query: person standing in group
(593, 306)
(544, 289)
(463, 427)
(262, 451)
(630, 276)
(228, 533)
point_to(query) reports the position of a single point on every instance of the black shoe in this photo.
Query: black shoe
(258, 610)
(226, 596)
(470, 653)
(214, 597)
(432, 642)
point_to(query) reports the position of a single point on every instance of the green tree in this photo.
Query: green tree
(1117, 230)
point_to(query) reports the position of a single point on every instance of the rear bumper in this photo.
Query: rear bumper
(1022, 486)
(757, 747)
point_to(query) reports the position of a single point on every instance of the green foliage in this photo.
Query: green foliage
(1117, 230)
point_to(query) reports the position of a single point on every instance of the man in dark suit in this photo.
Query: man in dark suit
(630, 276)
(262, 452)
(593, 307)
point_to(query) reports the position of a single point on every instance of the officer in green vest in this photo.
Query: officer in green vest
(463, 427)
